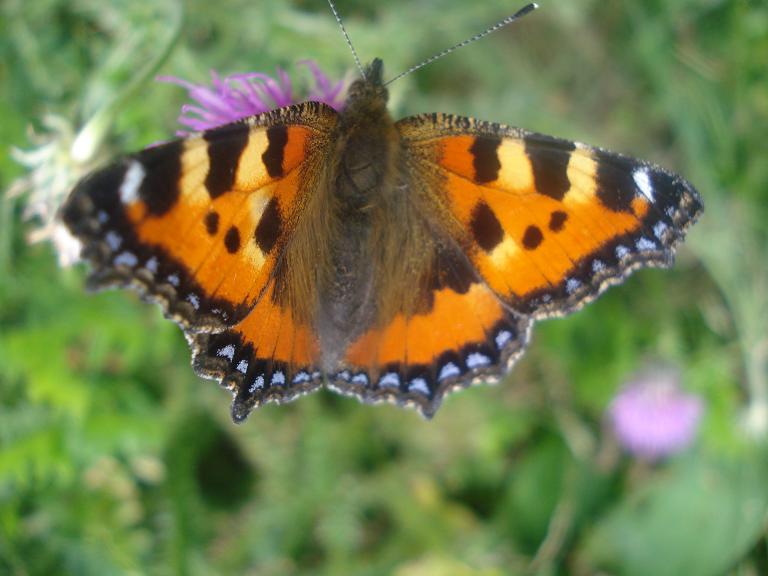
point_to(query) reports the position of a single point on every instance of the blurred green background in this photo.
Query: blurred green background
(116, 459)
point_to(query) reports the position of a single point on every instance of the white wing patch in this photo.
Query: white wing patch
(643, 182)
(129, 189)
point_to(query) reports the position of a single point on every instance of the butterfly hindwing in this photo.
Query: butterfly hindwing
(198, 225)
(465, 336)
(266, 357)
(548, 223)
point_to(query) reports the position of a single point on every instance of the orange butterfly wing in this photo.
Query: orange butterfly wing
(198, 225)
(548, 223)
(543, 226)
(467, 336)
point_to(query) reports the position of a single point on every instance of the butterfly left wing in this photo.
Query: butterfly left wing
(547, 223)
(199, 225)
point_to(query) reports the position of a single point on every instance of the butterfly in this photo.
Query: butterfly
(386, 260)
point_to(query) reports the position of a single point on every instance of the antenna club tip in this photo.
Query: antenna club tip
(527, 9)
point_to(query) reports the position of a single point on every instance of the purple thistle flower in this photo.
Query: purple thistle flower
(238, 96)
(652, 417)
(324, 90)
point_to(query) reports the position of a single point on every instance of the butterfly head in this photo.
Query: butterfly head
(374, 72)
(369, 90)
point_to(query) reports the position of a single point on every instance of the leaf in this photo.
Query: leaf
(699, 517)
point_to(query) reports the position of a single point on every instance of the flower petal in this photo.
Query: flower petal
(653, 418)
(231, 98)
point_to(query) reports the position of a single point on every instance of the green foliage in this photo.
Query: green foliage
(115, 458)
(714, 507)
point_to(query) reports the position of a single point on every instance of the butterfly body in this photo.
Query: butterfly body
(389, 260)
(363, 176)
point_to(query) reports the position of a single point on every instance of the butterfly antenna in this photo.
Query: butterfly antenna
(500, 24)
(346, 37)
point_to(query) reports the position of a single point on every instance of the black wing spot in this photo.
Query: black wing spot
(211, 223)
(159, 190)
(101, 187)
(452, 270)
(549, 159)
(486, 158)
(277, 137)
(232, 240)
(557, 220)
(615, 183)
(532, 237)
(270, 226)
(225, 146)
(486, 228)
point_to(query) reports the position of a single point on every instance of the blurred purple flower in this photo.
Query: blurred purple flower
(238, 96)
(653, 417)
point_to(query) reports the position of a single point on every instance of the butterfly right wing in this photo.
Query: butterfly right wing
(535, 226)
(548, 224)
(199, 225)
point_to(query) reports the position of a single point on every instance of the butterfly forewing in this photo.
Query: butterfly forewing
(549, 223)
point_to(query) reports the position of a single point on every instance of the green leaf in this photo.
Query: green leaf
(698, 517)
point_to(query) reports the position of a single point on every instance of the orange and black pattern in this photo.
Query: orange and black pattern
(196, 225)
(550, 222)
(517, 226)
